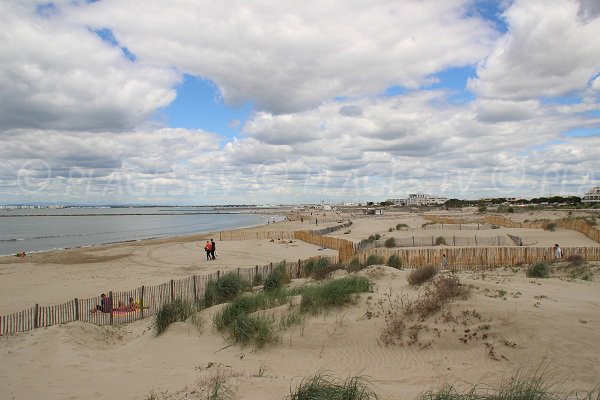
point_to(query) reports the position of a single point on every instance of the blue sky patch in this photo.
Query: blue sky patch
(199, 105)
(107, 36)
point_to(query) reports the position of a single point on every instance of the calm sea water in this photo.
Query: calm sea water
(47, 229)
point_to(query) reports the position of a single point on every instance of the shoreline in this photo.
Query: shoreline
(283, 216)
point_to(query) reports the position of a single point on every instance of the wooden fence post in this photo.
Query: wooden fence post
(76, 310)
(142, 302)
(110, 296)
(36, 310)
(238, 271)
(172, 291)
(195, 290)
(218, 274)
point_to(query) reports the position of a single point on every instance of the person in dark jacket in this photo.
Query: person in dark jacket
(212, 249)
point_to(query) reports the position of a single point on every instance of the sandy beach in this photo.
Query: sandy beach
(512, 323)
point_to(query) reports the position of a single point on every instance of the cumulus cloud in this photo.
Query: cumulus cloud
(289, 61)
(57, 74)
(548, 51)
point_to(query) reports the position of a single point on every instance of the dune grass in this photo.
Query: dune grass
(177, 311)
(336, 292)
(422, 275)
(519, 387)
(235, 321)
(277, 278)
(538, 270)
(224, 289)
(322, 386)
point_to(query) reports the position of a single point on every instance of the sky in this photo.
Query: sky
(197, 102)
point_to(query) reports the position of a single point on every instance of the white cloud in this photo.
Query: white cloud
(548, 51)
(292, 56)
(56, 74)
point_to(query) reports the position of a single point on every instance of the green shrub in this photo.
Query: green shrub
(550, 226)
(422, 275)
(326, 387)
(257, 279)
(391, 230)
(377, 236)
(400, 226)
(176, 311)
(354, 265)
(440, 240)
(374, 259)
(482, 209)
(538, 270)
(277, 278)
(224, 289)
(394, 261)
(390, 242)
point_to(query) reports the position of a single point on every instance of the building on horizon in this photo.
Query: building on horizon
(423, 199)
(592, 196)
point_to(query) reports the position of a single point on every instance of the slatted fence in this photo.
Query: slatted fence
(146, 300)
(591, 231)
(468, 258)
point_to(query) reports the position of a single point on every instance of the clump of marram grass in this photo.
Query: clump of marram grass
(337, 292)
(277, 278)
(224, 289)
(422, 275)
(401, 226)
(176, 311)
(538, 270)
(440, 240)
(519, 387)
(322, 386)
(441, 291)
(394, 261)
(354, 265)
(550, 226)
(235, 321)
(374, 259)
(257, 279)
(390, 242)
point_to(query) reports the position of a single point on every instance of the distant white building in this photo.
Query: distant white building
(422, 199)
(396, 202)
(593, 196)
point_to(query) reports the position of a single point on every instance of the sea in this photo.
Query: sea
(45, 229)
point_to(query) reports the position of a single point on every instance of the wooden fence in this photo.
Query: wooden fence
(422, 241)
(573, 224)
(254, 234)
(457, 227)
(149, 300)
(469, 258)
(345, 248)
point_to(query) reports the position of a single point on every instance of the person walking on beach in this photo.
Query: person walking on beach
(557, 252)
(208, 249)
(213, 247)
(444, 262)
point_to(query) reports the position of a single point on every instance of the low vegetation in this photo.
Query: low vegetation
(519, 387)
(394, 261)
(224, 289)
(538, 270)
(239, 325)
(323, 386)
(421, 275)
(277, 278)
(390, 242)
(440, 240)
(336, 292)
(374, 259)
(550, 226)
(177, 311)
(401, 226)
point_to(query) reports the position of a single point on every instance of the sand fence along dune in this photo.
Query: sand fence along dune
(132, 305)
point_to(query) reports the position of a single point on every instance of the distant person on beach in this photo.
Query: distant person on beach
(444, 262)
(557, 252)
(208, 249)
(21, 254)
(213, 247)
(105, 305)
